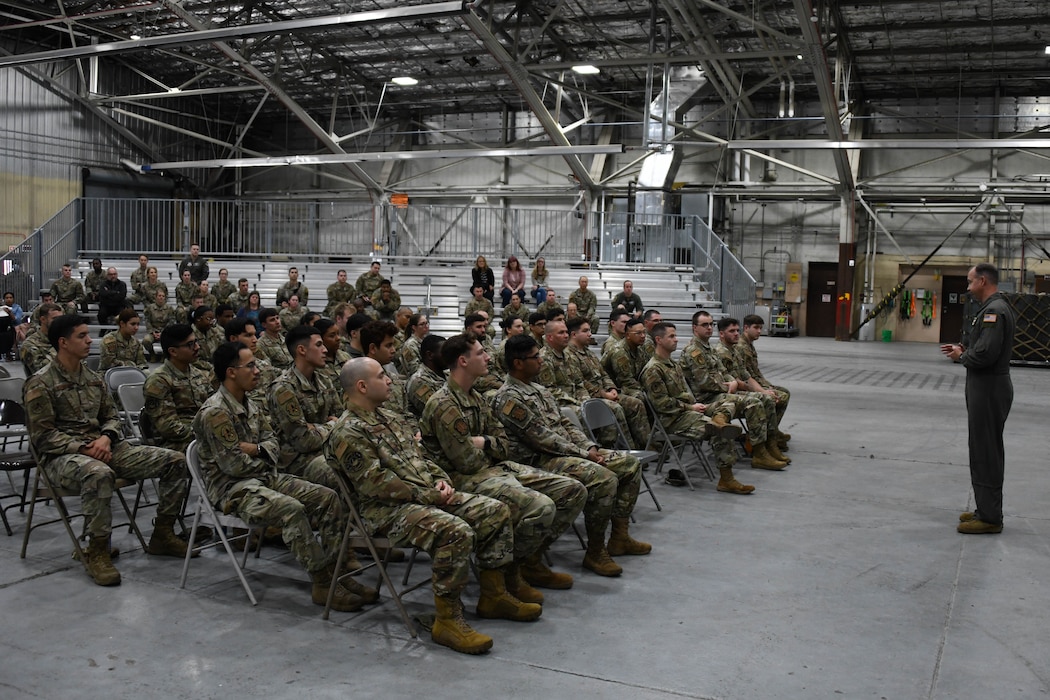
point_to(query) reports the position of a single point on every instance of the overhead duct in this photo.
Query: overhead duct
(681, 89)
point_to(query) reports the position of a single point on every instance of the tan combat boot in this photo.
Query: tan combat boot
(343, 600)
(518, 587)
(621, 542)
(597, 559)
(761, 459)
(452, 631)
(536, 572)
(722, 426)
(774, 449)
(496, 602)
(164, 542)
(351, 564)
(99, 566)
(727, 482)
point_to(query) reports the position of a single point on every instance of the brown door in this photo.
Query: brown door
(821, 298)
(950, 307)
(1042, 284)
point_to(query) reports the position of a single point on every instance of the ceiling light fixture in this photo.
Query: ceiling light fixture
(1047, 50)
(404, 80)
(587, 69)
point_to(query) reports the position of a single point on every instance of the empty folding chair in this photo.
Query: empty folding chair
(219, 521)
(131, 401)
(596, 416)
(15, 457)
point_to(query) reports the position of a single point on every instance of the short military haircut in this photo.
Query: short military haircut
(236, 327)
(384, 283)
(987, 271)
(374, 332)
(649, 313)
(519, 347)
(754, 320)
(173, 335)
(507, 322)
(299, 336)
(477, 286)
(631, 323)
(243, 279)
(616, 315)
(698, 315)
(324, 325)
(310, 318)
(223, 308)
(431, 345)
(126, 315)
(344, 309)
(471, 319)
(44, 309)
(265, 314)
(199, 312)
(62, 327)
(357, 322)
(726, 322)
(660, 329)
(536, 316)
(554, 313)
(573, 325)
(226, 356)
(456, 347)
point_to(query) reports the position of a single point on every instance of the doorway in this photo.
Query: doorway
(953, 300)
(821, 298)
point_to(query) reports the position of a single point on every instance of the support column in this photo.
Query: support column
(847, 267)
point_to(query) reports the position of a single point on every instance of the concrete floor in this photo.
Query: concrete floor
(841, 577)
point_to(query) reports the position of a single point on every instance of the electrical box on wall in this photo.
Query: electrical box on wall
(793, 285)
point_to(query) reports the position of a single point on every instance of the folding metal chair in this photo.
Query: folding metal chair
(131, 401)
(115, 376)
(218, 521)
(355, 535)
(673, 445)
(14, 458)
(597, 415)
(11, 388)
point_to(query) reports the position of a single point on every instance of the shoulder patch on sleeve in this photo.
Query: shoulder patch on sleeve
(990, 318)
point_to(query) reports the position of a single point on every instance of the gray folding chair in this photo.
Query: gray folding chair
(131, 401)
(14, 458)
(597, 415)
(115, 376)
(92, 362)
(11, 388)
(673, 446)
(218, 521)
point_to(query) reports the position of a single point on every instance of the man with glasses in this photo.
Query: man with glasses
(239, 457)
(625, 360)
(243, 330)
(176, 390)
(713, 385)
(539, 434)
(538, 326)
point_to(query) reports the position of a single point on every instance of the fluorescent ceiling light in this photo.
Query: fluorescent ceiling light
(404, 80)
(586, 69)
(1047, 50)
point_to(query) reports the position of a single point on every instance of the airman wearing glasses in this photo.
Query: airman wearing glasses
(176, 390)
(625, 360)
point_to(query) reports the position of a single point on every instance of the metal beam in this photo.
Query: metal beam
(204, 36)
(328, 159)
(871, 144)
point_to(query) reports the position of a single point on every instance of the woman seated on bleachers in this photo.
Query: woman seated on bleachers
(482, 275)
(513, 281)
(539, 281)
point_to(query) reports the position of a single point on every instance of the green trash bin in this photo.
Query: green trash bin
(887, 336)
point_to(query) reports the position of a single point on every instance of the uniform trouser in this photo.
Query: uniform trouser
(612, 489)
(783, 396)
(757, 408)
(314, 468)
(96, 480)
(693, 425)
(542, 504)
(988, 401)
(291, 503)
(449, 533)
(631, 410)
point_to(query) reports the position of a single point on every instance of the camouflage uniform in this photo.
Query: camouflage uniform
(36, 353)
(395, 489)
(542, 504)
(274, 351)
(253, 489)
(549, 306)
(267, 376)
(138, 278)
(707, 377)
(586, 305)
(407, 359)
(173, 398)
(67, 411)
(522, 313)
(209, 340)
(332, 367)
(286, 290)
(238, 301)
(398, 402)
(632, 303)
(629, 410)
(386, 308)
(494, 379)
(118, 351)
(290, 319)
(149, 292)
(672, 401)
(747, 359)
(624, 363)
(93, 283)
(368, 283)
(223, 291)
(184, 292)
(303, 412)
(210, 301)
(420, 387)
(483, 304)
(69, 294)
(539, 434)
(610, 343)
(561, 374)
(157, 317)
(338, 293)
(499, 358)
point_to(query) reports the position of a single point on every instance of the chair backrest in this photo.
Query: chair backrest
(11, 389)
(570, 413)
(92, 362)
(132, 400)
(597, 415)
(4, 374)
(115, 376)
